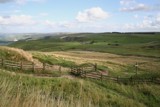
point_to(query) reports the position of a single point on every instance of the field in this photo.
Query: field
(117, 65)
(116, 54)
(124, 44)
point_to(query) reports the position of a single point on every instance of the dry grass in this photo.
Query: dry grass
(18, 53)
(23, 91)
(112, 61)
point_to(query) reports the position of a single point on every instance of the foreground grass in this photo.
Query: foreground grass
(25, 91)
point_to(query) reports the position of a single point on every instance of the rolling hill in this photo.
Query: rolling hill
(124, 44)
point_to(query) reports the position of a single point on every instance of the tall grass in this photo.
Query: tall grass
(25, 91)
(14, 54)
(53, 60)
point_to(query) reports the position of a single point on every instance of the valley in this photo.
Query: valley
(132, 56)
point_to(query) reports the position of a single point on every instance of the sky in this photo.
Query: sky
(47, 16)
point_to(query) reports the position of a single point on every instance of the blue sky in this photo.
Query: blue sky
(27, 16)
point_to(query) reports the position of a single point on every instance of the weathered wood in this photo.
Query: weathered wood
(11, 66)
(83, 72)
(2, 62)
(44, 66)
(60, 70)
(98, 76)
(33, 67)
(6, 64)
(101, 77)
(117, 79)
(21, 65)
(95, 67)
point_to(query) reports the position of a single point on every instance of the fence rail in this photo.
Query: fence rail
(84, 72)
(24, 65)
(95, 74)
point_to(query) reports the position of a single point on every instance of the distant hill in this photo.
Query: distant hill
(118, 43)
(3, 43)
(8, 38)
(24, 36)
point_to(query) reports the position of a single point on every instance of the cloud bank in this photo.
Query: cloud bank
(133, 6)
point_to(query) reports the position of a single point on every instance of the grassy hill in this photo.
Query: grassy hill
(124, 44)
(14, 54)
(24, 91)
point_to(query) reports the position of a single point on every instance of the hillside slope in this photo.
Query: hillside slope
(25, 91)
(124, 44)
(14, 54)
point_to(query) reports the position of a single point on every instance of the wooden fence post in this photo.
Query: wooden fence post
(117, 79)
(95, 67)
(60, 70)
(152, 79)
(81, 71)
(44, 66)
(101, 77)
(136, 68)
(2, 62)
(131, 80)
(21, 65)
(33, 67)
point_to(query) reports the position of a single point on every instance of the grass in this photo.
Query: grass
(116, 65)
(24, 91)
(53, 60)
(14, 54)
(124, 44)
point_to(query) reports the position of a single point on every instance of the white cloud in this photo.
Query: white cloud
(158, 17)
(92, 14)
(49, 23)
(16, 20)
(132, 6)
(21, 1)
(138, 7)
(147, 24)
(25, 1)
(127, 2)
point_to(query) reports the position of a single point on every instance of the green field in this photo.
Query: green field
(124, 44)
